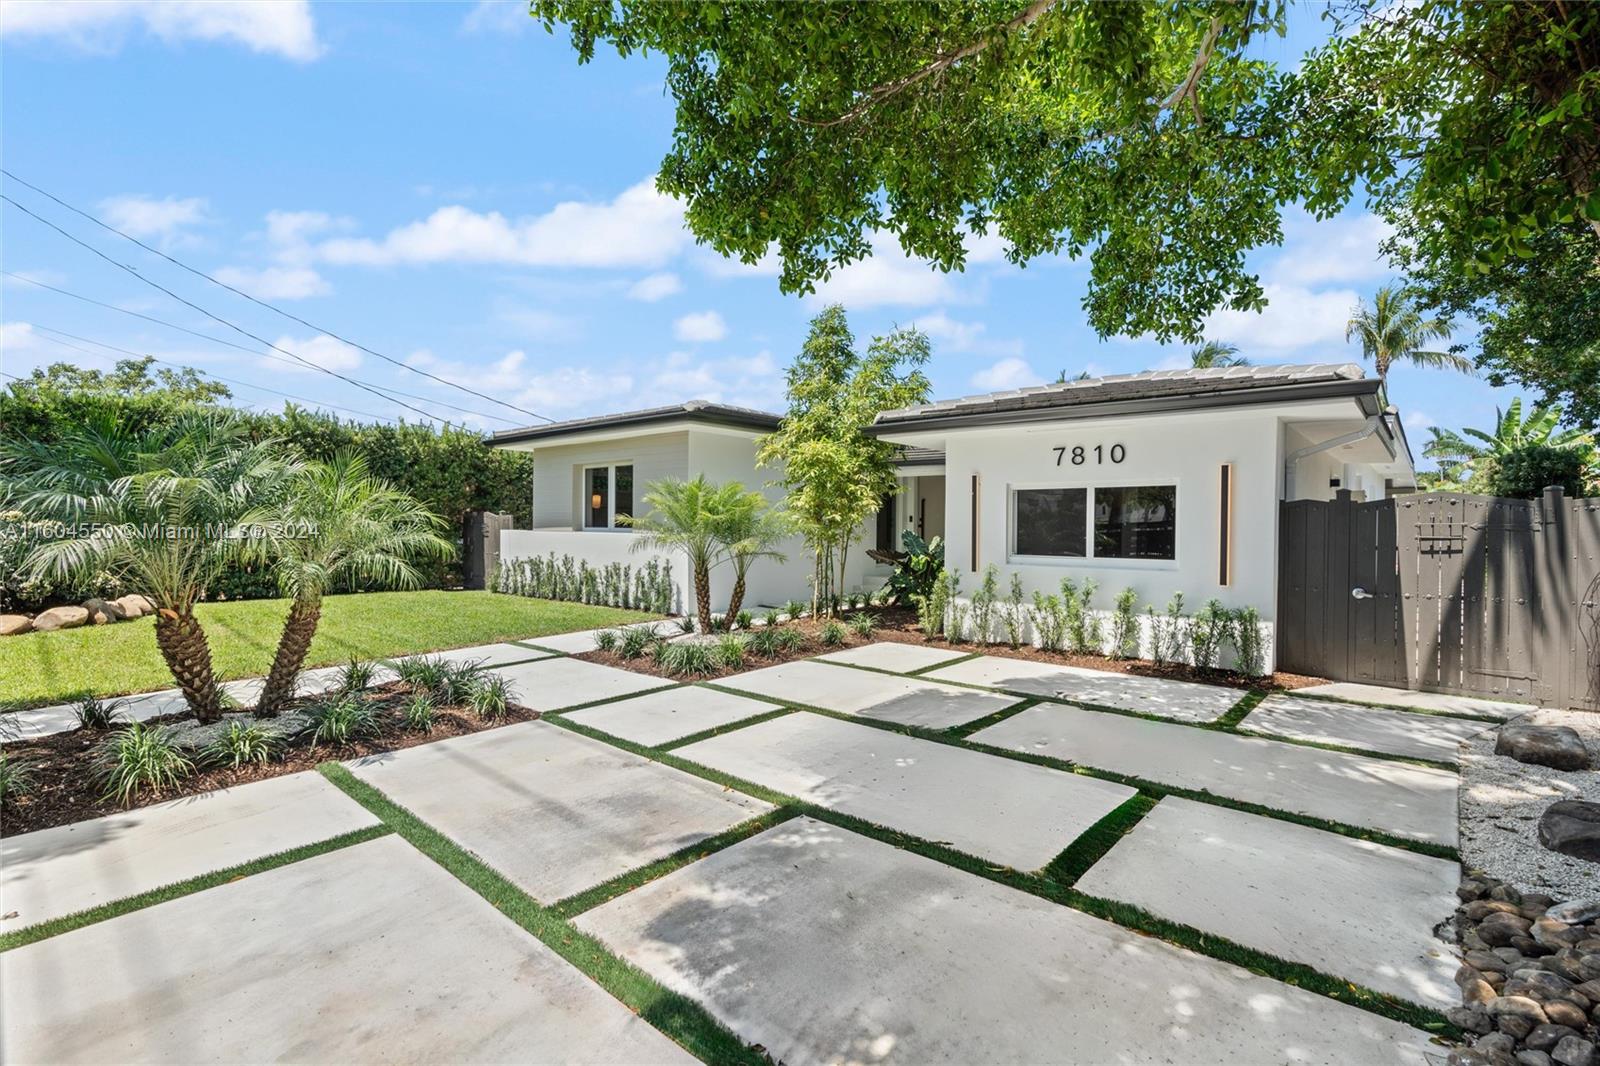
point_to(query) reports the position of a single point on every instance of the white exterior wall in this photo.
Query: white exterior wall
(558, 472)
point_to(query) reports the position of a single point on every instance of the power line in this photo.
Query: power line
(386, 389)
(197, 370)
(271, 307)
(217, 318)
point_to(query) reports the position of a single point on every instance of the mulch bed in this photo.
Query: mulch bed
(899, 624)
(64, 789)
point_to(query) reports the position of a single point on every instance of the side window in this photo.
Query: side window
(1138, 522)
(1051, 522)
(623, 493)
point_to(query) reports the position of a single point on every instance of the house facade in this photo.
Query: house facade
(1163, 482)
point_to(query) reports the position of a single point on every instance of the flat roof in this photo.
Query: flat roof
(703, 411)
(1147, 392)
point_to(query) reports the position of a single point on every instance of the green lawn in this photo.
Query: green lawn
(44, 668)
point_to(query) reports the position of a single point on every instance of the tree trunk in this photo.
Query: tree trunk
(183, 645)
(702, 597)
(298, 629)
(736, 599)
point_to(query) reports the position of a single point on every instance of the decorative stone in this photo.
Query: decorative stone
(1545, 1037)
(134, 606)
(1497, 930)
(1556, 746)
(1537, 984)
(102, 612)
(193, 737)
(1571, 827)
(1552, 932)
(1517, 1007)
(1574, 1051)
(1469, 1019)
(1480, 909)
(63, 618)
(1564, 1012)
(1589, 967)
(1475, 990)
(1494, 1043)
(12, 624)
(1486, 960)
(1565, 964)
(1589, 990)
(1533, 1058)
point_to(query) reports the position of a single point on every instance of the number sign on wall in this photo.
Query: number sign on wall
(1090, 455)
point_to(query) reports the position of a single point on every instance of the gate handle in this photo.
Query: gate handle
(1359, 593)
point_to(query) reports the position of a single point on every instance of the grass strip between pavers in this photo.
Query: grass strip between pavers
(728, 727)
(1044, 885)
(676, 1015)
(1235, 714)
(919, 671)
(1092, 845)
(116, 908)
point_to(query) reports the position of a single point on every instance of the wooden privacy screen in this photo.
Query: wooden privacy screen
(1445, 591)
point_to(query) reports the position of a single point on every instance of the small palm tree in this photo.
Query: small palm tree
(687, 516)
(1394, 331)
(1459, 456)
(751, 529)
(1216, 354)
(337, 521)
(162, 510)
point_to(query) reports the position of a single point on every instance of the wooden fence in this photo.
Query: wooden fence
(1447, 592)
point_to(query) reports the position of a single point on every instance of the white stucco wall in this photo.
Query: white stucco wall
(558, 472)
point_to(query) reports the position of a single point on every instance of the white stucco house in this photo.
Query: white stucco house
(1163, 481)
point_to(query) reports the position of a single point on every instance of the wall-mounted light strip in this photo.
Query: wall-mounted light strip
(974, 523)
(1225, 538)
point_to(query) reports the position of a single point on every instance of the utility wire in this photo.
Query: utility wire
(56, 333)
(262, 303)
(234, 344)
(215, 317)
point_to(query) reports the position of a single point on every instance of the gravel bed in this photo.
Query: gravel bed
(1502, 800)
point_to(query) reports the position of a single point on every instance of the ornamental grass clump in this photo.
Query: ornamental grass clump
(730, 651)
(833, 633)
(423, 673)
(635, 642)
(769, 618)
(863, 624)
(139, 758)
(457, 682)
(687, 659)
(419, 712)
(243, 744)
(490, 697)
(342, 720)
(95, 713)
(355, 676)
(16, 777)
(764, 642)
(607, 640)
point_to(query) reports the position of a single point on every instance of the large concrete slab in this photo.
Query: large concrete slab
(1010, 812)
(824, 946)
(488, 654)
(588, 639)
(368, 954)
(893, 656)
(906, 700)
(54, 872)
(551, 810)
(1416, 736)
(1184, 700)
(555, 684)
(1442, 702)
(659, 717)
(1416, 802)
(1347, 907)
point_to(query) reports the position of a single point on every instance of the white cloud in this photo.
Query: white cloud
(503, 376)
(1420, 420)
(641, 227)
(1337, 250)
(145, 216)
(322, 350)
(700, 326)
(888, 277)
(17, 337)
(537, 324)
(290, 232)
(1009, 373)
(655, 287)
(955, 336)
(1296, 319)
(275, 27)
(276, 283)
(573, 390)
(497, 16)
(748, 381)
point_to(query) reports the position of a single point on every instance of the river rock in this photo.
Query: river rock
(1571, 827)
(1545, 1037)
(1574, 1051)
(60, 618)
(12, 624)
(102, 612)
(1556, 746)
(134, 606)
(1575, 912)
(1565, 1012)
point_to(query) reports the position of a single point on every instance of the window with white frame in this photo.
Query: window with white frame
(1102, 522)
(608, 493)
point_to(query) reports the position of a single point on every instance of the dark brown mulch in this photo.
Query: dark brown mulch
(899, 624)
(63, 787)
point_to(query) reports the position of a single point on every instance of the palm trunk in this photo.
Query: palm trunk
(736, 598)
(183, 645)
(702, 597)
(298, 629)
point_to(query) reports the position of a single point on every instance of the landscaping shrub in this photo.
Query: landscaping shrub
(1168, 631)
(342, 719)
(647, 588)
(686, 658)
(138, 757)
(1083, 632)
(832, 633)
(421, 672)
(1049, 621)
(915, 575)
(744, 620)
(490, 697)
(794, 609)
(355, 676)
(764, 642)
(1125, 625)
(1014, 613)
(983, 605)
(16, 777)
(419, 712)
(635, 642)
(1207, 630)
(1523, 473)
(790, 639)
(607, 640)
(730, 650)
(96, 713)
(457, 682)
(769, 619)
(1248, 654)
(242, 744)
(863, 624)
(932, 605)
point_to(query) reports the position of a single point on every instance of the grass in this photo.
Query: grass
(62, 666)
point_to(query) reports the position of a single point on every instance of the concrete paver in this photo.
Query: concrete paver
(1187, 701)
(368, 954)
(659, 717)
(1444, 702)
(906, 700)
(825, 946)
(1288, 890)
(558, 683)
(1416, 736)
(892, 656)
(999, 809)
(1416, 802)
(55, 872)
(553, 811)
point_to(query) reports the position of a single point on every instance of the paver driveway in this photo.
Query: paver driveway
(849, 933)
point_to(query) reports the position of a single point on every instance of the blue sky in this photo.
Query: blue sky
(443, 183)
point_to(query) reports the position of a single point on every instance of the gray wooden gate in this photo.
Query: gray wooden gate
(1445, 591)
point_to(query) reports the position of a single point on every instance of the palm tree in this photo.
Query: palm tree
(1082, 375)
(1394, 331)
(337, 522)
(1459, 457)
(161, 510)
(686, 516)
(1216, 354)
(751, 529)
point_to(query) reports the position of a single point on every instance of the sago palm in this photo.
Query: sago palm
(1393, 331)
(687, 516)
(750, 529)
(162, 510)
(338, 522)
(1215, 354)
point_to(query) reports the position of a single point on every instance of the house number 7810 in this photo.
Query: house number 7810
(1099, 453)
